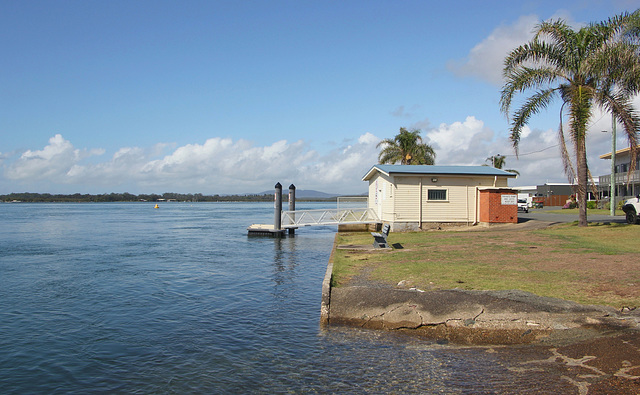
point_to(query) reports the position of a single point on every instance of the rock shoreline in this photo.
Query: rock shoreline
(474, 317)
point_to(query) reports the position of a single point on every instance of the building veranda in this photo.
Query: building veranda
(627, 184)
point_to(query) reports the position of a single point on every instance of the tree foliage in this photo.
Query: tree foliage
(594, 67)
(406, 148)
(28, 197)
(498, 161)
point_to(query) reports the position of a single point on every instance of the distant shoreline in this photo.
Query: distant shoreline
(130, 198)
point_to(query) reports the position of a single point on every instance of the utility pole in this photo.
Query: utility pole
(612, 192)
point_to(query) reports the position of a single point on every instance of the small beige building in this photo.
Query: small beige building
(414, 197)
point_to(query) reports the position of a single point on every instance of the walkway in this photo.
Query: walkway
(298, 218)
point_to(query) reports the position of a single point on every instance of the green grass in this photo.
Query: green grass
(560, 262)
(608, 239)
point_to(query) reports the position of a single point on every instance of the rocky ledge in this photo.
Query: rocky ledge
(475, 317)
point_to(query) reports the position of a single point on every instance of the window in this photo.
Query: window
(437, 194)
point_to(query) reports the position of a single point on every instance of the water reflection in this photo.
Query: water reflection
(285, 258)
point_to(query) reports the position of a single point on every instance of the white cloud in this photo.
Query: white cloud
(53, 162)
(470, 143)
(367, 139)
(459, 135)
(222, 165)
(217, 166)
(485, 60)
(343, 168)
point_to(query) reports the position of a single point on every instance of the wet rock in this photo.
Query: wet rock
(471, 317)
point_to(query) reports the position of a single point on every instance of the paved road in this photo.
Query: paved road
(545, 215)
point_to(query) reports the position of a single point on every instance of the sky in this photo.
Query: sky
(231, 97)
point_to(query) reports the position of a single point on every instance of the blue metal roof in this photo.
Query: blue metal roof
(438, 170)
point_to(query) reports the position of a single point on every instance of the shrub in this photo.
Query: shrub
(591, 204)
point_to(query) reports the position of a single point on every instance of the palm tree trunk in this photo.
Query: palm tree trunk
(583, 180)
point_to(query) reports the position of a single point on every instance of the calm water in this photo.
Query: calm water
(122, 298)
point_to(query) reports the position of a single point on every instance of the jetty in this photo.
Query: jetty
(292, 219)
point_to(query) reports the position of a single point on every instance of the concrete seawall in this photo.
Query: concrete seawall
(326, 289)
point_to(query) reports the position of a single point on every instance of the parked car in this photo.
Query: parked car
(522, 205)
(631, 209)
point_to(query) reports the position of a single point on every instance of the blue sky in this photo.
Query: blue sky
(234, 96)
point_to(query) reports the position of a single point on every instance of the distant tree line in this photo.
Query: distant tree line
(28, 197)
(128, 197)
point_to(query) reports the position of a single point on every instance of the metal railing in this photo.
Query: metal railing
(292, 219)
(345, 202)
(621, 178)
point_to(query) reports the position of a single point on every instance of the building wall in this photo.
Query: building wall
(493, 211)
(461, 203)
(627, 184)
(623, 162)
(404, 200)
(381, 195)
(407, 198)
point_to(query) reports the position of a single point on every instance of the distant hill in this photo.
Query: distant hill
(302, 193)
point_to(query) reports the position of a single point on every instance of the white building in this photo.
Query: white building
(627, 184)
(413, 197)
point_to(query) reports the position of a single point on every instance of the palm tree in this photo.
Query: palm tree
(407, 148)
(498, 161)
(596, 66)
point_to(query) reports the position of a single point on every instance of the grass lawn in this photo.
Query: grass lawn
(598, 264)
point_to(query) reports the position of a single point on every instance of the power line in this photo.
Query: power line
(534, 152)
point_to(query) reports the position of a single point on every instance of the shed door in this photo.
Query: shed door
(379, 197)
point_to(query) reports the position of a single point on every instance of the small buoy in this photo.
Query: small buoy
(157, 206)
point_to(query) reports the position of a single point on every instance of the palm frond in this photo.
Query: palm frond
(525, 79)
(567, 166)
(539, 101)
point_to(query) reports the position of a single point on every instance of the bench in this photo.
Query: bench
(380, 239)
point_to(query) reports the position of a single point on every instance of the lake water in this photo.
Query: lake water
(125, 298)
